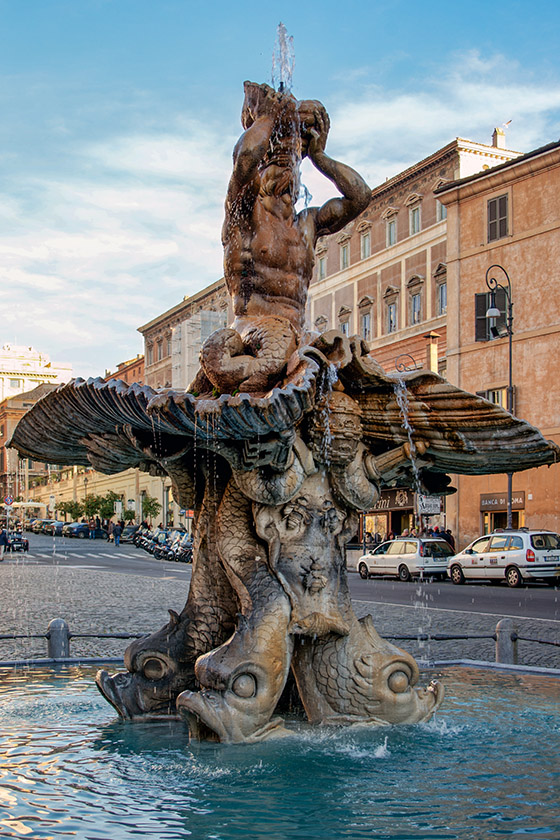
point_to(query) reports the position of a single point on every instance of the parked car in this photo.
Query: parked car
(128, 533)
(81, 531)
(513, 555)
(16, 542)
(55, 528)
(37, 525)
(405, 558)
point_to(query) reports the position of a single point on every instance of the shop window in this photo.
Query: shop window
(497, 218)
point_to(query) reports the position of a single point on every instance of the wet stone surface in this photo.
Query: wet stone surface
(106, 602)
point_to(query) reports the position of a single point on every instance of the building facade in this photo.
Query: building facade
(509, 217)
(130, 371)
(171, 344)
(23, 368)
(17, 474)
(384, 278)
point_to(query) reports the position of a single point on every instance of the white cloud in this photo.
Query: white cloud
(124, 228)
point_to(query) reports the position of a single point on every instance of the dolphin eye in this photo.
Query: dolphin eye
(244, 686)
(398, 682)
(154, 669)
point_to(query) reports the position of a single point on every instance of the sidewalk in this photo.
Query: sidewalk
(108, 602)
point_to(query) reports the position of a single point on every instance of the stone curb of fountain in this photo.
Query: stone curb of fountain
(109, 602)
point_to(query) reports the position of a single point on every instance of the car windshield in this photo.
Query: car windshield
(438, 548)
(544, 541)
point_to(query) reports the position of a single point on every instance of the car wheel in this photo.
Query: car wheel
(456, 574)
(81, 535)
(363, 571)
(513, 577)
(404, 573)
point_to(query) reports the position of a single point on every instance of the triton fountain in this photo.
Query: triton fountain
(281, 439)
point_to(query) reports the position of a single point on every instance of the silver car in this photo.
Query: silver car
(406, 557)
(512, 555)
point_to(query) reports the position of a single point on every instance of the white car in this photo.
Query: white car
(511, 555)
(406, 557)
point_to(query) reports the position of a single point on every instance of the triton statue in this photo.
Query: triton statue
(281, 439)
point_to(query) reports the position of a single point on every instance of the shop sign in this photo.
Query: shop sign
(498, 501)
(429, 505)
(396, 499)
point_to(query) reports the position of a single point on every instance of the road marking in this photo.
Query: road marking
(83, 566)
(104, 554)
(459, 610)
(45, 555)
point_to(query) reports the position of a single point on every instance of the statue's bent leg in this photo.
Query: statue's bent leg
(242, 680)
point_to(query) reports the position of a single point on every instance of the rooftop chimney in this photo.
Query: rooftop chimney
(499, 138)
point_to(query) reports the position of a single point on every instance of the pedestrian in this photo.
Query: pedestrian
(91, 526)
(390, 535)
(110, 529)
(117, 531)
(405, 533)
(3, 543)
(447, 535)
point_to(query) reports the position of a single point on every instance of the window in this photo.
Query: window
(498, 396)
(365, 325)
(441, 211)
(415, 308)
(481, 306)
(365, 245)
(168, 346)
(344, 328)
(497, 218)
(15, 383)
(149, 354)
(160, 350)
(344, 256)
(442, 298)
(391, 232)
(391, 317)
(414, 220)
(322, 268)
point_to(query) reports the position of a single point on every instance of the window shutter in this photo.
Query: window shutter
(480, 322)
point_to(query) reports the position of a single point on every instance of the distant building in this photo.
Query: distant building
(17, 474)
(172, 344)
(23, 368)
(384, 278)
(508, 216)
(129, 372)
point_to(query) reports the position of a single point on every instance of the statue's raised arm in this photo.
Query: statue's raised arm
(337, 212)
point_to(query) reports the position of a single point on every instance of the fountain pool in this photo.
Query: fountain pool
(487, 766)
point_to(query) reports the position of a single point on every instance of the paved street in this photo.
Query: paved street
(99, 588)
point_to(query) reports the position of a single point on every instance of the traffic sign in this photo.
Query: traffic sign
(8, 500)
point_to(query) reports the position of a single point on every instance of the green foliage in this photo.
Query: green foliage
(150, 506)
(107, 504)
(91, 505)
(129, 515)
(73, 509)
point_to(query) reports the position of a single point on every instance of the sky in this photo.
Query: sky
(119, 118)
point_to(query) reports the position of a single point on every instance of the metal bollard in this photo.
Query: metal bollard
(506, 647)
(58, 641)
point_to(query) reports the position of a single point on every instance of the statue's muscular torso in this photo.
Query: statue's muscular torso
(269, 251)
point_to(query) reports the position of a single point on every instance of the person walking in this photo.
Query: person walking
(447, 535)
(3, 543)
(117, 531)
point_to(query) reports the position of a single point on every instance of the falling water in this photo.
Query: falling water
(421, 602)
(283, 59)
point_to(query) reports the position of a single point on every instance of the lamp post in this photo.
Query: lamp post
(492, 314)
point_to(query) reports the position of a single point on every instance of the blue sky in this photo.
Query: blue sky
(119, 118)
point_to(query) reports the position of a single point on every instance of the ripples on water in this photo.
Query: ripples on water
(487, 767)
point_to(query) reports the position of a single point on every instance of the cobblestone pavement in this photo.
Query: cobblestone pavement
(108, 602)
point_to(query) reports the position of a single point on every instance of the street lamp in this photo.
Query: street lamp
(492, 314)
